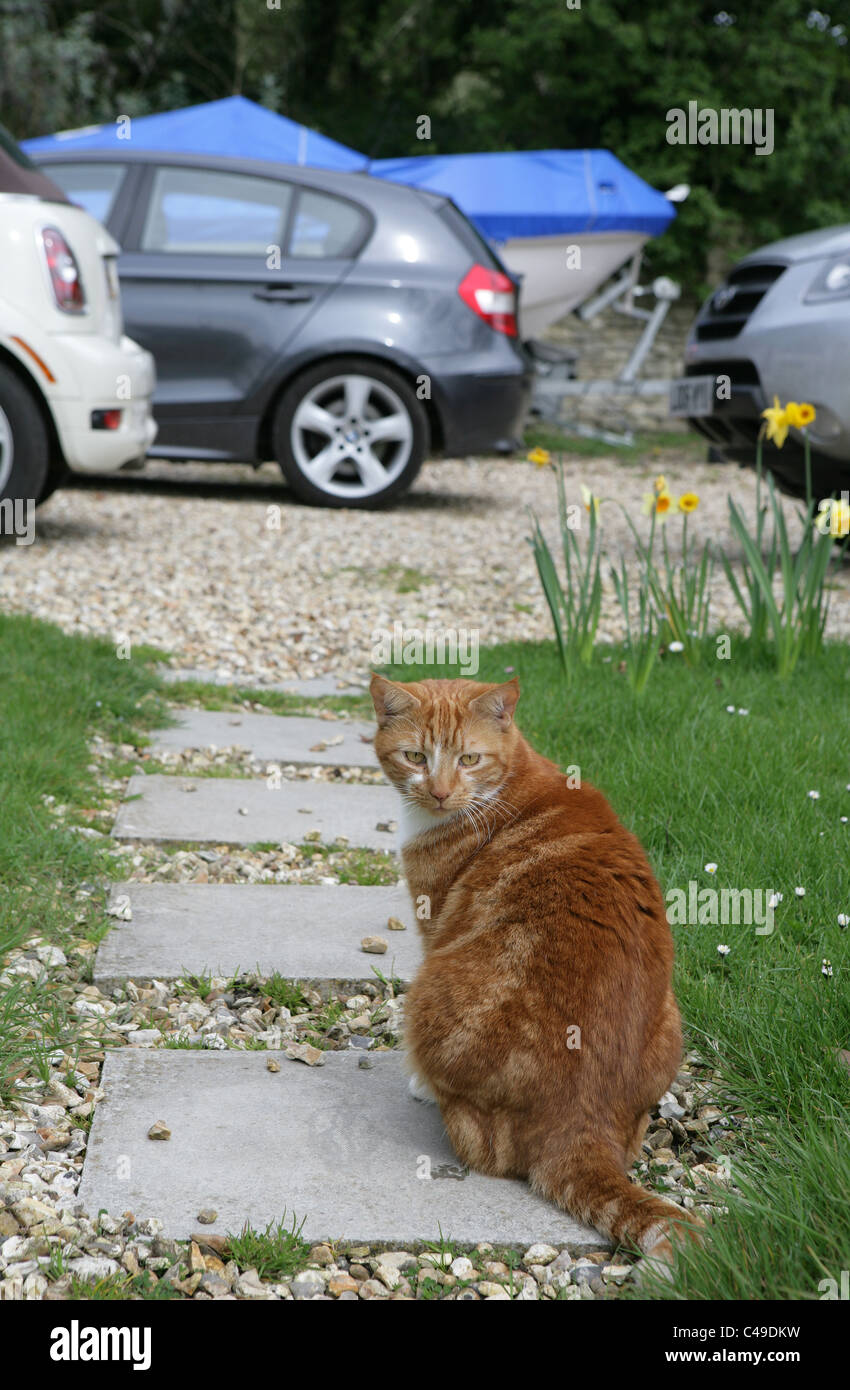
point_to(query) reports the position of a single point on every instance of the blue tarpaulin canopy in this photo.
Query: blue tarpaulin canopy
(233, 126)
(528, 193)
(534, 193)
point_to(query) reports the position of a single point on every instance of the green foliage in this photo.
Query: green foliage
(797, 621)
(576, 604)
(640, 648)
(273, 1253)
(682, 593)
(286, 994)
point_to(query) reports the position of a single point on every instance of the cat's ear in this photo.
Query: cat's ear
(498, 703)
(390, 699)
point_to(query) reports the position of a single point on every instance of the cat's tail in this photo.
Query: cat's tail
(587, 1181)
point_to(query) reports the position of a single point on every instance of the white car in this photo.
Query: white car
(75, 392)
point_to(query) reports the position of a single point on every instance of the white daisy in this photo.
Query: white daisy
(723, 950)
(743, 711)
(826, 968)
(675, 646)
(730, 709)
(843, 919)
(711, 868)
(774, 900)
(815, 796)
(801, 892)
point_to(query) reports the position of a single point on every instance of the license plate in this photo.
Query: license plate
(692, 395)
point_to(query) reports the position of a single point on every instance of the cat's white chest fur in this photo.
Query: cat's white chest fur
(413, 821)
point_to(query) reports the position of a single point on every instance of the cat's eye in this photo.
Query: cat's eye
(415, 755)
(469, 759)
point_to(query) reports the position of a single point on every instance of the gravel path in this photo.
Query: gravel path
(184, 558)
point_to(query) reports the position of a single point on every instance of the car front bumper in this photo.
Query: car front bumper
(791, 350)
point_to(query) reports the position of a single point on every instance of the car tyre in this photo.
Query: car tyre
(350, 432)
(24, 445)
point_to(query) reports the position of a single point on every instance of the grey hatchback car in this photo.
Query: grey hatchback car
(340, 324)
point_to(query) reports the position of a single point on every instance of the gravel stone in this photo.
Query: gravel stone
(307, 1284)
(114, 561)
(93, 1267)
(539, 1255)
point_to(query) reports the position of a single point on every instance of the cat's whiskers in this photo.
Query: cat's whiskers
(472, 814)
(500, 807)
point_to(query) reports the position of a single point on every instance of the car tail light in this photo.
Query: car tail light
(64, 272)
(492, 296)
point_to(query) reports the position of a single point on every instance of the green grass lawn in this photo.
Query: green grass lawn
(654, 446)
(55, 693)
(699, 785)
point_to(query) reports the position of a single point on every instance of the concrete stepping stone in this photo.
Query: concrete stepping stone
(305, 932)
(314, 687)
(272, 737)
(342, 1146)
(245, 811)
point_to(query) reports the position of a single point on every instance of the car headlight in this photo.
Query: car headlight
(831, 282)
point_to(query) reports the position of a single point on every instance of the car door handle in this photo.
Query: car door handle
(284, 294)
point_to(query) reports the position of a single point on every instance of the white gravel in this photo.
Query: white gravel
(183, 557)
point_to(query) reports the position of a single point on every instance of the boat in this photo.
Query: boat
(562, 221)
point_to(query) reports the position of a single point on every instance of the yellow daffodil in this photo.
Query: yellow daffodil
(839, 519)
(776, 426)
(779, 419)
(590, 500)
(540, 457)
(688, 502)
(658, 502)
(798, 416)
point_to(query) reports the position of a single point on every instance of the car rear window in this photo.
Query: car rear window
(195, 211)
(325, 226)
(91, 186)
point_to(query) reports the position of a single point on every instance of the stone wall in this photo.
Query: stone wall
(603, 345)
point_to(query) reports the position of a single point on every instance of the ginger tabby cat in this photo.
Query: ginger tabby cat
(545, 917)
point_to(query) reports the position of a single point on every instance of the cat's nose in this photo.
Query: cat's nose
(439, 796)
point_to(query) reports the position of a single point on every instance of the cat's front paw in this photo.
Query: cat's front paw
(420, 1090)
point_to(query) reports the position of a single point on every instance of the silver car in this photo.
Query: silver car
(779, 325)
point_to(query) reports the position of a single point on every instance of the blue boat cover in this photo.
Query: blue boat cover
(533, 193)
(233, 126)
(527, 193)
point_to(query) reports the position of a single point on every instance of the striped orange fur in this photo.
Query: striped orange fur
(542, 1019)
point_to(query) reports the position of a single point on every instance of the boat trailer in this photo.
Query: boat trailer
(556, 382)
